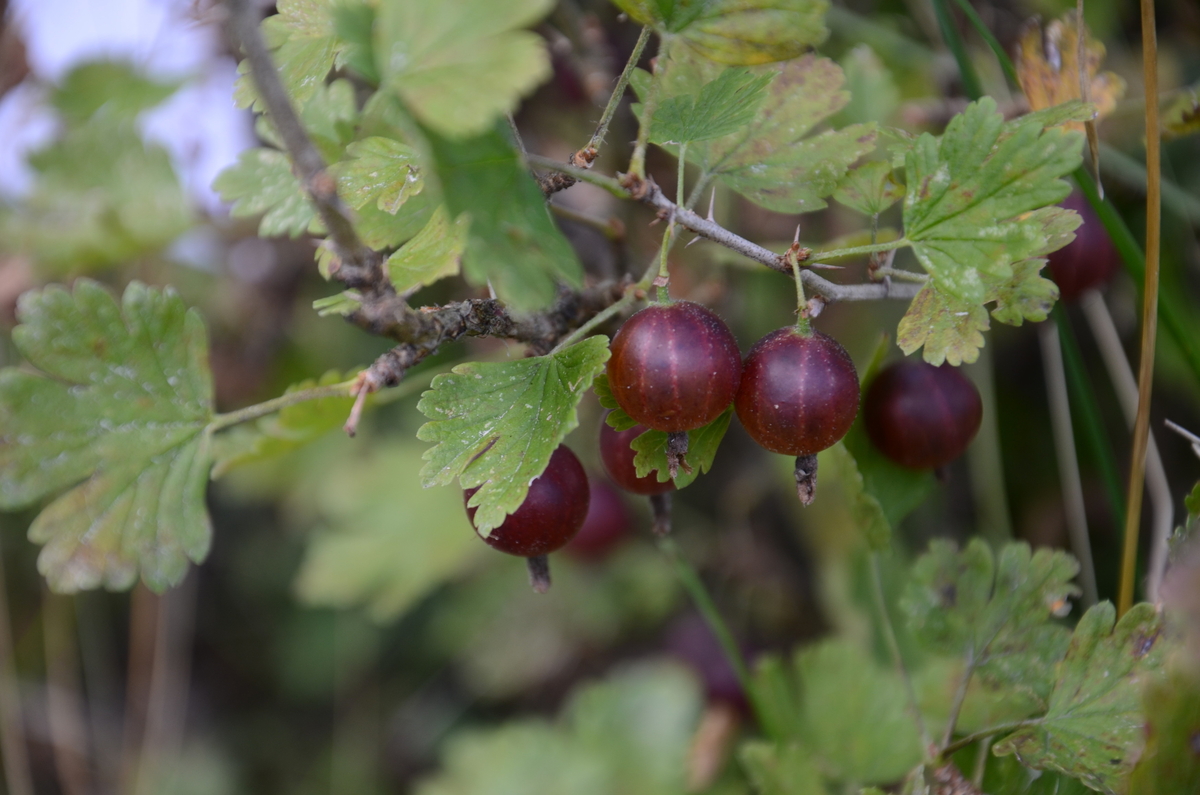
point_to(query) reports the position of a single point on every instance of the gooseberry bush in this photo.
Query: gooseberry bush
(388, 138)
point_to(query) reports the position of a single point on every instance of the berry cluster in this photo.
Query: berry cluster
(675, 367)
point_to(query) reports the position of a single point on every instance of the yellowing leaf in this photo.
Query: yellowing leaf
(737, 32)
(117, 418)
(950, 329)
(1048, 67)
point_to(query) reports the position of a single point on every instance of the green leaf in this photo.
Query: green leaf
(1182, 118)
(261, 182)
(628, 734)
(873, 93)
(344, 303)
(651, 449)
(116, 416)
(387, 541)
(1094, 729)
(433, 254)
(329, 117)
(970, 195)
(986, 704)
(846, 711)
(995, 612)
(869, 189)
(117, 87)
(1171, 705)
(780, 769)
(616, 417)
(773, 160)
(1028, 296)
(950, 329)
(304, 48)
(721, 107)
(291, 427)
(379, 170)
(512, 243)
(461, 66)
(496, 423)
(1004, 775)
(102, 197)
(737, 32)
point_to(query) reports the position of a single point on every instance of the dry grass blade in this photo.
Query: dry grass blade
(1141, 428)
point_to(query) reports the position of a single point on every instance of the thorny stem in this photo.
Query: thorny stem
(889, 633)
(1141, 427)
(614, 101)
(713, 231)
(637, 164)
(360, 266)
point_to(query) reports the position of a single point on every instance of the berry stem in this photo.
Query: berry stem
(662, 293)
(539, 573)
(614, 101)
(802, 323)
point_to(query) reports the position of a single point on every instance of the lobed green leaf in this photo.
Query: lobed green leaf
(721, 107)
(117, 417)
(262, 183)
(512, 243)
(433, 254)
(496, 423)
(305, 47)
(996, 613)
(1094, 729)
(459, 67)
(379, 170)
(971, 196)
(651, 451)
(870, 189)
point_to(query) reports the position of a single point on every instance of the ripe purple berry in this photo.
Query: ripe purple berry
(550, 516)
(921, 416)
(618, 461)
(1087, 261)
(798, 396)
(674, 367)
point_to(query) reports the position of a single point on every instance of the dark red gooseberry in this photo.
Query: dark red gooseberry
(674, 367)
(921, 416)
(552, 513)
(606, 525)
(691, 641)
(799, 394)
(618, 461)
(1087, 261)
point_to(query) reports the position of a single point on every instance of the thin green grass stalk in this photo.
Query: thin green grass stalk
(970, 80)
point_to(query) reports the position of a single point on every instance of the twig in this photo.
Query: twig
(258, 410)
(360, 266)
(12, 722)
(1068, 463)
(1141, 427)
(637, 163)
(1121, 375)
(614, 101)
